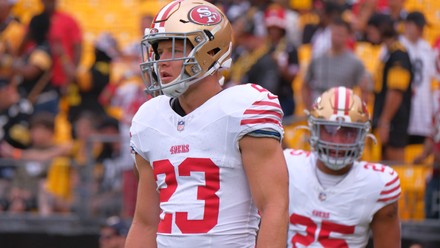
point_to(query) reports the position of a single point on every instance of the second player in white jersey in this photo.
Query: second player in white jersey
(337, 216)
(334, 199)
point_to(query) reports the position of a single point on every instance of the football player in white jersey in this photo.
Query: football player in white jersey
(336, 200)
(210, 161)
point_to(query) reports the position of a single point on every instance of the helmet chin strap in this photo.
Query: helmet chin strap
(177, 89)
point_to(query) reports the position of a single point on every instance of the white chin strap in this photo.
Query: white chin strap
(176, 89)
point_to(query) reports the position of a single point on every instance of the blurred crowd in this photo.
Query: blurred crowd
(64, 128)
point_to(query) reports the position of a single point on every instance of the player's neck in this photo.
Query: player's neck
(199, 93)
(327, 180)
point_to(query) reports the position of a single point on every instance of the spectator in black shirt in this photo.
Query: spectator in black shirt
(15, 113)
(392, 89)
(14, 127)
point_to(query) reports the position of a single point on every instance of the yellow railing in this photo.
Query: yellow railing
(413, 181)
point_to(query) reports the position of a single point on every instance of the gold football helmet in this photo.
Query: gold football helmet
(204, 27)
(339, 124)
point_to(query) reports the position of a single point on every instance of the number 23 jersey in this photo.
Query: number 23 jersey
(338, 216)
(204, 196)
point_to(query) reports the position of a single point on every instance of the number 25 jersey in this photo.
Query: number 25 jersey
(205, 199)
(340, 215)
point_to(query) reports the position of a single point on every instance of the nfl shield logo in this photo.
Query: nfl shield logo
(180, 125)
(322, 196)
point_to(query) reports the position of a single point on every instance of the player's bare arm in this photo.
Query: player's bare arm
(393, 101)
(146, 217)
(386, 227)
(266, 170)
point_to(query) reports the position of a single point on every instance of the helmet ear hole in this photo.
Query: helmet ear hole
(214, 51)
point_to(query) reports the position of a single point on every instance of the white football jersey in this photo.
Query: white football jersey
(204, 195)
(423, 67)
(337, 216)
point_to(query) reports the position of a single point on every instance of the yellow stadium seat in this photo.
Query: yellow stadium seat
(151, 7)
(414, 4)
(296, 137)
(63, 128)
(304, 56)
(412, 182)
(25, 9)
(368, 54)
(414, 150)
(305, 53)
(58, 179)
(301, 4)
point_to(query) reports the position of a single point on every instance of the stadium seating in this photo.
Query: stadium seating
(122, 19)
(412, 181)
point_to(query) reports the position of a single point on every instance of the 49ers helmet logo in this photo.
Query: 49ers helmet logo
(204, 15)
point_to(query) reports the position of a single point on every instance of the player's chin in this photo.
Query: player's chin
(166, 80)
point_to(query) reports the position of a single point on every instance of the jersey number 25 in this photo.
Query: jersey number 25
(324, 234)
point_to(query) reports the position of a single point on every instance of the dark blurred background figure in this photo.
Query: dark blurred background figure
(395, 9)
(65, 40)
(293, 29)
(126, 95)
(65, 37)
(392, 89)
(15, 114)
(422, 59)
(270, 61)
(337, 67)
(31, 170)
(11, 36)
(108, 195)
(35, 67)
(284, 54)
(249, 49)
(89, 84)
(113, 233)
(32, 187)
(361, 13)
(319, 35)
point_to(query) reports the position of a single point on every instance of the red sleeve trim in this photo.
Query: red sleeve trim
(263, 112)
(260, 120)
(388, 198)
(385, 192)
(266, 103)
(393, 181)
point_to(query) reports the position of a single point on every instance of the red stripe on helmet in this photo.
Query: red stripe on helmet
(165, 14)
(347, 101)
(335, 108)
